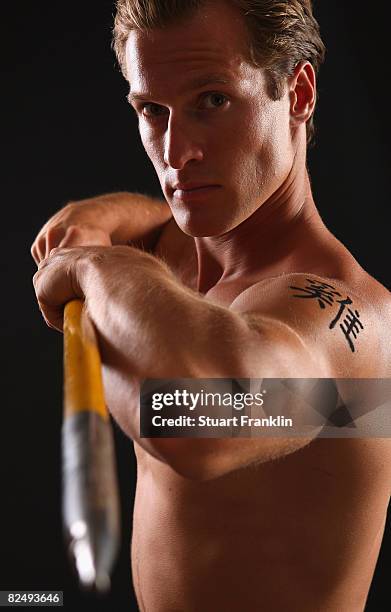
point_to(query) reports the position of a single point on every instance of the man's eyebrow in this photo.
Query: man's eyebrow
(194, 84)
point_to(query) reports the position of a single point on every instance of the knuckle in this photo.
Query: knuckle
(75, 230)
(70, 206)
(53, 234)
(50, 231)
(96, 257)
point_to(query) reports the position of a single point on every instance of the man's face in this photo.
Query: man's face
(205, 119)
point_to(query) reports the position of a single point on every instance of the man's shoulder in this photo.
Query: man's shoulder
(350, 321)
(312, 287)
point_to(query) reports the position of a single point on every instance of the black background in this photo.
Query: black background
(67, 133)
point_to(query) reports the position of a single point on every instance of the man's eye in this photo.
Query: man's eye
(214, 100)
(153, 110)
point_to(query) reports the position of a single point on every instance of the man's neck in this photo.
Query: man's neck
(279, 229)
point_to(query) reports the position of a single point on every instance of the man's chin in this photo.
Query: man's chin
(202, 222)
(202, 230)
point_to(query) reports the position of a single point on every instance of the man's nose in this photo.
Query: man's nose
(181, 144)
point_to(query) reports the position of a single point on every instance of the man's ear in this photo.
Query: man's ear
(302, 93)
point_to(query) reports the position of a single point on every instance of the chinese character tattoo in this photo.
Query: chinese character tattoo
(326, 295)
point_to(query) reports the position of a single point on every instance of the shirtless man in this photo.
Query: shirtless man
(271, 524)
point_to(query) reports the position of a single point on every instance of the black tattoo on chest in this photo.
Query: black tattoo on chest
(327, 296)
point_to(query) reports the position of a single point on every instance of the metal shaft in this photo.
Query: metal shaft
(90, 492)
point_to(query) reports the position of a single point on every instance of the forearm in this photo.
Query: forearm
(154, 327)
(149, 326)
(104, 220)
(137, 218)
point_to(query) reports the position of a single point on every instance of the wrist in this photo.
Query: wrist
(107, 271)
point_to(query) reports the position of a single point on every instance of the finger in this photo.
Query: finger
(35, 253)
(52, 312)
(53, 237)
(55, 251)
(38, 248)
(39, 243)
(56, 283)
(53, 316)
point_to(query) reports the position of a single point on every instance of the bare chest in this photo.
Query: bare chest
(301, 517)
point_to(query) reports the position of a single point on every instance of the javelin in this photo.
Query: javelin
(90, 502)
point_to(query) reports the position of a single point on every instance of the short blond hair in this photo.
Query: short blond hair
(281, 33)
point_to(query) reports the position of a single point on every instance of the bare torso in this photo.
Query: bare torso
(301, 533)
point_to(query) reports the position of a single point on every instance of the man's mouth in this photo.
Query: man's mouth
(194, 192)
(185, 191)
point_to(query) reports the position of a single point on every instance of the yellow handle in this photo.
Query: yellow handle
(83, 386)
